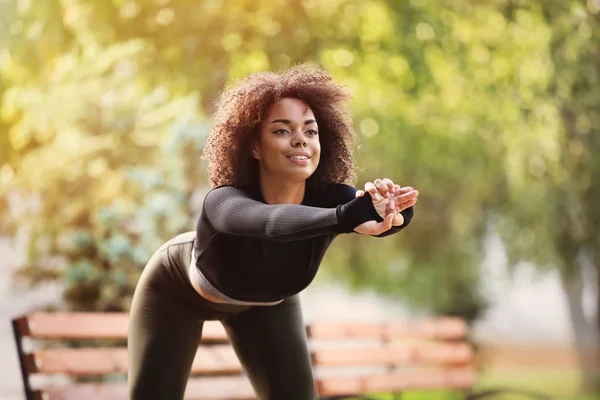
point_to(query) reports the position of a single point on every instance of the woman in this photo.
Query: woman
(278, 155)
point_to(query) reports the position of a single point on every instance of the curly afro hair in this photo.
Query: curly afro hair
(240, 110)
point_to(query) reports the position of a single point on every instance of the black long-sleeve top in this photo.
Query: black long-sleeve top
(253, 251)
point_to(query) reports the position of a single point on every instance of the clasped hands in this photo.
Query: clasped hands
(389, 200)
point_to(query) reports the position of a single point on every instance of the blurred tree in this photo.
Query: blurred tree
(554, 188)
(98, 187)
(201, 46)
(436, 97)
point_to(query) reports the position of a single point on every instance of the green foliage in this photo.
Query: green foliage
(96, 182)
(488, 108)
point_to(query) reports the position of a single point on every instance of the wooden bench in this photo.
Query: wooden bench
(68, 356)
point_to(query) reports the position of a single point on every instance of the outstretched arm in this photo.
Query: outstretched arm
(231, 210)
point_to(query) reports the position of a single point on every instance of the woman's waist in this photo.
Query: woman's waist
(210, 292)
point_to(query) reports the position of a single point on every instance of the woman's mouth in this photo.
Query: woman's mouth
(299, 159)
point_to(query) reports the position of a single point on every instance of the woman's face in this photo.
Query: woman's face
(288, 146)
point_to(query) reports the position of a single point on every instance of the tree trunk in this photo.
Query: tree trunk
(586, 332)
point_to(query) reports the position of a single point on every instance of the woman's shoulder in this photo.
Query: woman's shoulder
(223, 192)
(230, 189)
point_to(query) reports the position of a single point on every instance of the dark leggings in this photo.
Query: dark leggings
(167, 316)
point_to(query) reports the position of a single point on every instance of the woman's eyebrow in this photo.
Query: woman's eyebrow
(287, 121)
(283, 121)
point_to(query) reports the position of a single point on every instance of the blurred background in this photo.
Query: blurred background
(491, 108)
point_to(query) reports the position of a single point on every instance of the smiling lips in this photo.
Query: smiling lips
(299, 158)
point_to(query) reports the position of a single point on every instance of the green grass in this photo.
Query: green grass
(561, 384)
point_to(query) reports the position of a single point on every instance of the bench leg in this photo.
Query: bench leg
(21, 353)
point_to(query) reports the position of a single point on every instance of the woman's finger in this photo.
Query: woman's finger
(387, 222)
(382, 187)
(405, 205)
(392, 202)
(413, 194)
(401, 190)
(359, 193)
(384, 225)
(372, 189)
(389, 184)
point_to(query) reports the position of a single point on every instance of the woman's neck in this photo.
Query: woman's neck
(277, 192)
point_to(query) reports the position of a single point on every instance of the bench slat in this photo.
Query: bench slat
(239, 388)
(457, 378)
(222, 358)
(217, 359)
(215, 388)
(413, 354)
(94, 325)
(439, 328)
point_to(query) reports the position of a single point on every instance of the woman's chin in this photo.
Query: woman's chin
(293, 174)
(297, 175)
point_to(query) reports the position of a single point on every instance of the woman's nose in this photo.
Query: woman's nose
(299, 140)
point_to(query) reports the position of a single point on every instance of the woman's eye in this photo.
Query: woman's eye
(281, 131)
(312, 132)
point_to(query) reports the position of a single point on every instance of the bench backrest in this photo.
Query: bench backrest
(86, 353)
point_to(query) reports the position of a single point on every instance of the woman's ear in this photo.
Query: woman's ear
(255, 152)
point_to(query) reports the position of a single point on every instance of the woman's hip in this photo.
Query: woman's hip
(165, 280)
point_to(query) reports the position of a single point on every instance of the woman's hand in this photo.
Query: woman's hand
(375, 228)
(389, 200)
